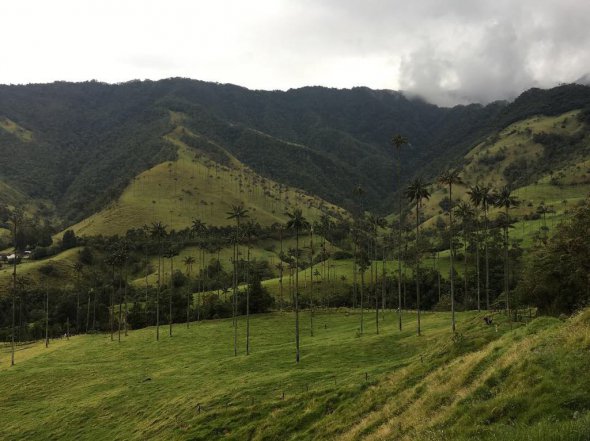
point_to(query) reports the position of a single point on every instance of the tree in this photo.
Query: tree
(237, 213)
(69, 240)
(298, 223)
(78, 268)
(158, 231)
(504, 199)
(416, 192)
(450, 178)
(188, 262)
(482, 196)
(171, 254)
(16, 220)
(398, 141)
(556, 276)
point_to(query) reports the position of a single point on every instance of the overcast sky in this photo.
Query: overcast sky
(453, 51)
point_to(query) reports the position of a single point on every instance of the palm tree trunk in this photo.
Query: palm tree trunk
(13, 299)
(452, 252)
(297, 295)
(120, 304)
(126, 306)
(170, 295)
(311, 288)
(362, 306)
(158, 289)
(46, 315)
(487, 262)
(477, 272)
(248, 303)
(417, 275)
(399, 245)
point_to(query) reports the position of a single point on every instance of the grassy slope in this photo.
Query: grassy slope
(29, 269)
(520, 384)
(175, 192)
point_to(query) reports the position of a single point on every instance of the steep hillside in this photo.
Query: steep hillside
(544, 159)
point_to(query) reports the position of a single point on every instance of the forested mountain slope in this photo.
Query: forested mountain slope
(78, 145)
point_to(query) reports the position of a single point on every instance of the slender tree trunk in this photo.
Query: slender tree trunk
(452, 252)
(399, 245)
(477, 272)
(354, 272)
(13, 298)
(158, 289)
(126, 306)
(417, 275)
(487, 262)
(465, 264)
(77, 302)
(88, 313)
(248, 302)
(46, 315)
(383, 286)
(311, 289)
(120, 304)
(112, 308)
(297, 295)
(170, 296)
(362, 289)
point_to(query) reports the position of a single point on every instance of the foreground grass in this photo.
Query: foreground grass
(481, 383)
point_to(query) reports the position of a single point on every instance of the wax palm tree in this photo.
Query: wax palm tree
(416, 192)
(158, 231)
(188, 262)
(237, 213)
(503, 199)
(398, 141)
(450, 178)
(483, 196)
(78, 268)
(298, 223)
(16, 220)
(171, 253)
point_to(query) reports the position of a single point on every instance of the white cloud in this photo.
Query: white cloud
(449, 52)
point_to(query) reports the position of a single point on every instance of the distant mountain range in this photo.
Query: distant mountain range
(76, 146)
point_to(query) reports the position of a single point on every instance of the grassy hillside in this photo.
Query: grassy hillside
(485, 383)
(194, 186)
(63, 265)
(513, 157)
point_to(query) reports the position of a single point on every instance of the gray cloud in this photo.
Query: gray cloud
(449, 52)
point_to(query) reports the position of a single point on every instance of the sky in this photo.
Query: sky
(446, 51)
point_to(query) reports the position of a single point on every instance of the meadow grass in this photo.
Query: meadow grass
(394, 385)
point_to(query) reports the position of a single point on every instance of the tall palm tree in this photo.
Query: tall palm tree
(450, 178)
(416, 192)
(504, 199)
(171, 253)
(188, 262)
(483, 196)
(158, 231)
(298, 223)
(16, 221)
(78, 268)
(237, 213)
(398, 141)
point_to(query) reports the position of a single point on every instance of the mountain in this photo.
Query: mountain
(72, 148)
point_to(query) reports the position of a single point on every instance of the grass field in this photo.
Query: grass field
(522, 384)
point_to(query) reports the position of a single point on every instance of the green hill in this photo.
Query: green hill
(486, 383)
(195, 186)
